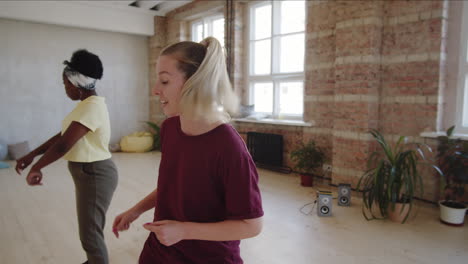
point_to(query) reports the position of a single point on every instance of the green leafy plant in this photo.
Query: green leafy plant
(307, 157)
(155, 130)
(392, 177)
(453, 161)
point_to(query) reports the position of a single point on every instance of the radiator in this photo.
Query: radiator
(266, 149)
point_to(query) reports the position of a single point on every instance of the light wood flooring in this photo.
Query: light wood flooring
(38, 224)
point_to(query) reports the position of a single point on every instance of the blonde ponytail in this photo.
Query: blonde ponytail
(207, 93)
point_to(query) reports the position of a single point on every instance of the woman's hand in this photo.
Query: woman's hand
(122, 221)
(23, 162)
(34, 177)
(168, 232)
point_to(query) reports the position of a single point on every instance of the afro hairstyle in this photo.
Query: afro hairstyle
(86, 63)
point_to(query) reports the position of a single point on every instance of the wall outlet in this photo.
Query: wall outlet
(327, 167)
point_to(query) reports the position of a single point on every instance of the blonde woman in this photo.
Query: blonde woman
(207, 197)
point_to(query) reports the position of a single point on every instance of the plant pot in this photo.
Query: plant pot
(452, 213)
(307, 180)
(397, 215)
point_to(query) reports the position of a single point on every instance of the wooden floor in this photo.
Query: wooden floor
(38, 224)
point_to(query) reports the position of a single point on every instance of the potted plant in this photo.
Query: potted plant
(155, 130)
(453, 162)
(307, 158)
(392, 179)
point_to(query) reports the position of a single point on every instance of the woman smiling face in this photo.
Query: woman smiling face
(169, 85)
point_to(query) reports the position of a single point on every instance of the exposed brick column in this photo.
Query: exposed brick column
(358, 40)
(413, 78)
(176, 30)
(411, 66)
(238, 56)
(320, 74)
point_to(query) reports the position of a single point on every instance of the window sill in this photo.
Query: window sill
(437, 134)
(271, 121)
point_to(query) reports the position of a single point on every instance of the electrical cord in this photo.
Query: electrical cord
(311, 209)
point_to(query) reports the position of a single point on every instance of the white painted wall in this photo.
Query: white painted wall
(32, 98)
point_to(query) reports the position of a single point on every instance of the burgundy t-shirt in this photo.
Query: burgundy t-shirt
(206, 178)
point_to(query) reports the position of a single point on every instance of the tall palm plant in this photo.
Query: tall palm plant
(392, 177)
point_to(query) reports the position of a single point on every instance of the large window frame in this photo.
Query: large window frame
(461, 113)
(275, 76)
(207, 27)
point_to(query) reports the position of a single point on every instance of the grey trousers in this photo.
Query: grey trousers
(95, 183)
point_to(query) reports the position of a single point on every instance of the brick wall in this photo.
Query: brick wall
(369, 64)
(412, 63)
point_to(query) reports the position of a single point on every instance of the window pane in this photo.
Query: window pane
(206, 30)
(263, 97)
(262, 20)
(262, 57)
(292, 16)
(292, 53)
(291, 98)
(197, 32)
(218, 30)
(465, 104)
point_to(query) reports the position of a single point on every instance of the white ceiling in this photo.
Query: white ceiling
(134, 17)
(161, 7)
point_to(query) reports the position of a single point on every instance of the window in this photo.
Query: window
(276, 58)
(462, 93)
(209, 26)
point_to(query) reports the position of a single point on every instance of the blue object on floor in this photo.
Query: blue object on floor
(4, 165)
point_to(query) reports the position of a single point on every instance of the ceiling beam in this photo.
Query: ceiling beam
(120, 3)
(148, 4)
(112, 5)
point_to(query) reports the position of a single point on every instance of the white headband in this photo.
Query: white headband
(80, 80)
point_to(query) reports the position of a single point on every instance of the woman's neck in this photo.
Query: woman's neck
(193, 127)
(87, 94)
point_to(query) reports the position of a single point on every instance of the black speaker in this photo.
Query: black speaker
(324, 204)
(344, 194)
